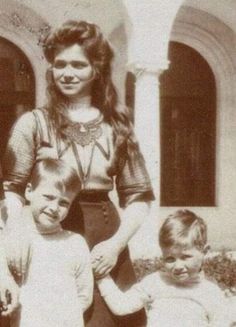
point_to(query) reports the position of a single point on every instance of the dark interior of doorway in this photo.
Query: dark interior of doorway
(17, 88)
(188, 129)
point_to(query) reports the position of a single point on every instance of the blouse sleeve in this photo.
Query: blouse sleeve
(1, 185)
(20, 154)
(132, 181)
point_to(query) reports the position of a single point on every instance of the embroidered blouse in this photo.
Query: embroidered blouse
(34, 133)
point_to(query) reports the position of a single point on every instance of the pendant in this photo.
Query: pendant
(82, 134)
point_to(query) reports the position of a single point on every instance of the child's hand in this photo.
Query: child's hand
(103, 258)
(229, 292)
(9, 295)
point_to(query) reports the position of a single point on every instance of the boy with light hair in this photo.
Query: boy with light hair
(179, 294)
(58, 284)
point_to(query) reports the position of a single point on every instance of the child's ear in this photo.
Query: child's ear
(28, 191)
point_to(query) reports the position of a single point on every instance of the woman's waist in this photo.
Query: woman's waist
(93, 195)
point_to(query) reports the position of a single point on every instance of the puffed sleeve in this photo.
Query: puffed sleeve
(132, 180)
(19, 157)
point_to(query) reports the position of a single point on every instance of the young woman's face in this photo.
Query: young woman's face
(72, 72)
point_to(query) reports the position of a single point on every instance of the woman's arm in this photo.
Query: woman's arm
(17, 165)
(7, 284)
(14, 204)
(120, 303)
(135, 194)
(105, 254)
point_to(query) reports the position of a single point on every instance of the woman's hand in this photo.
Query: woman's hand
(104, 257)
(15, 237)
(9, 294)
(19, 252)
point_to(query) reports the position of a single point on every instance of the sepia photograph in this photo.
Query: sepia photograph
(117, 163)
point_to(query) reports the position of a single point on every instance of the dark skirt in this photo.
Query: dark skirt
(97, 219)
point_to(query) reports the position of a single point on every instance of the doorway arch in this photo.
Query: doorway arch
(17, 87)
(218, 50)
(188, 129)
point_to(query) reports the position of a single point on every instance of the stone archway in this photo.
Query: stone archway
(17, 87)
(25, 34)
(188, 119)
(194, 30)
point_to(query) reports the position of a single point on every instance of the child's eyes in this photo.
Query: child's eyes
(64, 204)
(169, 259)
(186, 256)
(48, 196)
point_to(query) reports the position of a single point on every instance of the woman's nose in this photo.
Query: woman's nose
(68, 78)
(68, 72)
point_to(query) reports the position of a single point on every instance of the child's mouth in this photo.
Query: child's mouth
(180, 274)
(51, 216)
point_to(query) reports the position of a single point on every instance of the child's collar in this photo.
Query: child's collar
(188, 284)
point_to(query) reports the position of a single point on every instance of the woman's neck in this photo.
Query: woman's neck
(81, 102)
(81, 110)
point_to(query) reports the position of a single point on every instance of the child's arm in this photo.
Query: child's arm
(120, 303)
(84, 277)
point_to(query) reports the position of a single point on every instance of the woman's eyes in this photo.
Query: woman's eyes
(60, 64)
(78, 64)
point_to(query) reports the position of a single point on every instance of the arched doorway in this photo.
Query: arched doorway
(188, 129)
(17, 87)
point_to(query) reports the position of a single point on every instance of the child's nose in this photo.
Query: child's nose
(54, 206)
(178, 266)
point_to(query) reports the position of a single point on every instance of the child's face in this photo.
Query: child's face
(49, 205)
(182, 263)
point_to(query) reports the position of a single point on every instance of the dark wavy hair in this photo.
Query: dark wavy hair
(103, 94)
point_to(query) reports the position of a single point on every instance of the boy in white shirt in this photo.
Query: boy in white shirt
(178, 295)
(59, 284)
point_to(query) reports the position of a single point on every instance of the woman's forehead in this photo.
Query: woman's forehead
(72, 51)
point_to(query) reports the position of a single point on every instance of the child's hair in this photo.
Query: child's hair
(183, 228)
(63, 176)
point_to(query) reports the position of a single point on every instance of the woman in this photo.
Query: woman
(83, 125)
